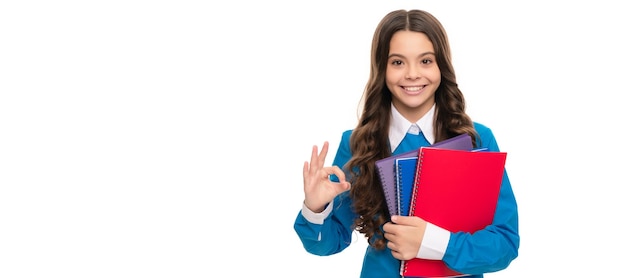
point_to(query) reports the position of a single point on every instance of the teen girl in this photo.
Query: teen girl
(411, 100)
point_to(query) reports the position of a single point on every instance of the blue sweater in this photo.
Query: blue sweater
(488, 250)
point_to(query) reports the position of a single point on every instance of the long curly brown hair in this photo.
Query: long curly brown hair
(370, 138)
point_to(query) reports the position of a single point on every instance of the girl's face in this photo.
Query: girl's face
(412, 74)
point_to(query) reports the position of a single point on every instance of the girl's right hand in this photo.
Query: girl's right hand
(319, 190)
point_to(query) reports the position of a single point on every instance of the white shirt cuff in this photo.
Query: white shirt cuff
(434, 243)
(317, 218)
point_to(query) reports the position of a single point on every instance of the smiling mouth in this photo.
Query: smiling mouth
(413, 88)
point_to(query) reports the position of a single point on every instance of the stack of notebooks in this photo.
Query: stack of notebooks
(447, 184)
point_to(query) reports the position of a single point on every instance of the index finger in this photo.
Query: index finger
(335, 170)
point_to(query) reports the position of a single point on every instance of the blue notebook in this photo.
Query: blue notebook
(405, 177)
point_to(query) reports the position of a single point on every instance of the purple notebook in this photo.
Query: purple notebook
(386, 167)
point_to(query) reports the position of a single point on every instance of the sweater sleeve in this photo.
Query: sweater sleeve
(335, 233)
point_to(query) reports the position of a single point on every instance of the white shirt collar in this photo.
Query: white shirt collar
(400, 126)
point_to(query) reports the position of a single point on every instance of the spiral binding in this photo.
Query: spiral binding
(416, 183)
(388, 195)
(399, 196)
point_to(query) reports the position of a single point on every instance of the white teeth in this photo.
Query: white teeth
(414, 89)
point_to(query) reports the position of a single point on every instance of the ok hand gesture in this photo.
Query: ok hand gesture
(319, 190)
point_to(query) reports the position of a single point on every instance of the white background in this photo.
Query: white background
(167, 138)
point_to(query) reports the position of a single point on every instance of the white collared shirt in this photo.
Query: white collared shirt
(400, 126)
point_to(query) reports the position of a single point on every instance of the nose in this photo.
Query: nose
(412, 72)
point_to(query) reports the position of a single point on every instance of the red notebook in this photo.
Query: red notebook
(455, 190)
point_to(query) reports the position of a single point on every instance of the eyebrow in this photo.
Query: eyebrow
(402, 56)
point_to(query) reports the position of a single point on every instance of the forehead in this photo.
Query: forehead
(405, 42)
